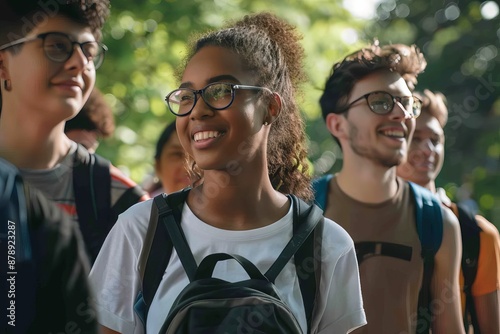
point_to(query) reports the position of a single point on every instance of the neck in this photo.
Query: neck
(29, 145)
(431, 185)
(237, 202)
(368, 182)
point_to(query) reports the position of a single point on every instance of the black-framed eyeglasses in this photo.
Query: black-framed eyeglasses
(218, 96)
(382, 103)
(58, 47)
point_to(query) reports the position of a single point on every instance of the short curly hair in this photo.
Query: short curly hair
(406, 60)
(19, 17)
(270, 48)
(435, 104)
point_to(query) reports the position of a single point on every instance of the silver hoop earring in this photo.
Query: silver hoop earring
(7, 85)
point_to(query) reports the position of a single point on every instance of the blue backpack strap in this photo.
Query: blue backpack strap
(429, 224)
(320, 188)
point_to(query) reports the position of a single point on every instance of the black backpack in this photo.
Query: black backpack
(92, 188)
(470, 254)
(211, 305)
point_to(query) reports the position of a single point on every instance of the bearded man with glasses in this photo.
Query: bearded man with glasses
(370, 110)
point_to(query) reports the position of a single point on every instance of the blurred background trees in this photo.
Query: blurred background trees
(147, 40)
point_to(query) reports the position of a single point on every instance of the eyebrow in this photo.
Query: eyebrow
(218, 78)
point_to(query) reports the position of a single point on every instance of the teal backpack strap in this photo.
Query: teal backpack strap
(320, 188)
(429, 223)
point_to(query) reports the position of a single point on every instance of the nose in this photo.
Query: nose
(77, 59)
(426, 147)
(200, 109)
(399, 112)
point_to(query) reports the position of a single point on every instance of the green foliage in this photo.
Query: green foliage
(147, 42)
(461, 44)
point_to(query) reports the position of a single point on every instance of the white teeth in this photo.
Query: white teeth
(394, 133)
(205, 135)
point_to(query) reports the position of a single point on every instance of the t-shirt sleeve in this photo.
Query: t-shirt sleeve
(114, 276)
(343, 311)
(488, 270)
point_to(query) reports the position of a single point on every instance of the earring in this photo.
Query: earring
(7, 84)
(265, 123)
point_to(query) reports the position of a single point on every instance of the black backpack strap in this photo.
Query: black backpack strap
(177, 236)
(92, 189)
(470, 254)
(159, 244)
(131, 196)
(305, 247)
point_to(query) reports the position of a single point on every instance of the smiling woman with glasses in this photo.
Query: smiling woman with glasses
(247, 157)
(59, 47)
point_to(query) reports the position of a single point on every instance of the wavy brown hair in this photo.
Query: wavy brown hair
(435, 104)
(406, 60)
(270, 48)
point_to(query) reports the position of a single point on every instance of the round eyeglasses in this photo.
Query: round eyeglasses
(58, 47)
(382, 103)
(218, 96)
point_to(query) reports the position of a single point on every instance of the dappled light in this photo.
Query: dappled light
(147, 42)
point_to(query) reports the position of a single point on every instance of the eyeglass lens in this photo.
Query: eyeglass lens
(59, 48)
(382, 103)
(217, 96)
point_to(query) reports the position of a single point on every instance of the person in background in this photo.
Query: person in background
(44, 273)
(94, 122)
(369, 108)
(239, 121)
(425, 160)
(47, 72)
(170, 164)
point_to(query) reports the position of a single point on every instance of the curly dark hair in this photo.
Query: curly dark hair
(435, 104)
(270, 48)
(19, 17)
(406, 60)
(96, 115)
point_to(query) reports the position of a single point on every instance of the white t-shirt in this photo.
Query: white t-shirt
(116, 283)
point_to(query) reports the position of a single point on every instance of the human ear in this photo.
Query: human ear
(3, 68)
(158, 168)
(335, 124)
(274, 108)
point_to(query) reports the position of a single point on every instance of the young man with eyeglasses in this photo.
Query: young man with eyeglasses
(369, 108)
(48, 62)
(480, 276)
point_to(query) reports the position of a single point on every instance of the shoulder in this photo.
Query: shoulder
(335, 239)
(487, 228)
(136, 216)
(450, 220)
